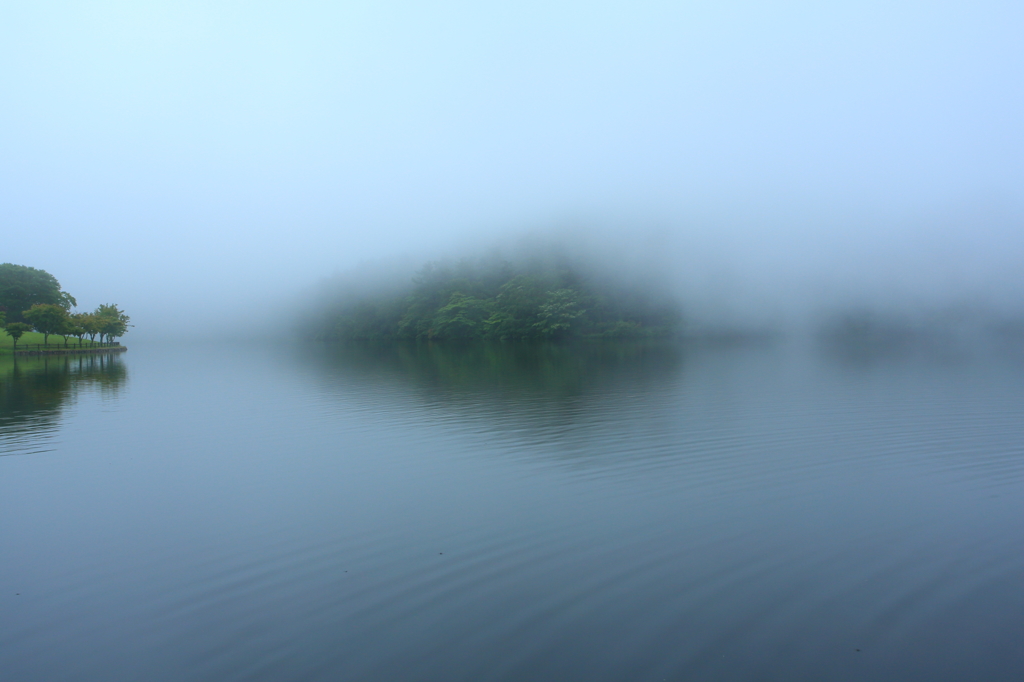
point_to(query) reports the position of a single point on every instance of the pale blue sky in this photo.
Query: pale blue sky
(175, 155)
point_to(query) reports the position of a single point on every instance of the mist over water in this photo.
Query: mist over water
(203, 164)
(819, 475)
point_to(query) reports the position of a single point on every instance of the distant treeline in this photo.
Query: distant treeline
(495, 299)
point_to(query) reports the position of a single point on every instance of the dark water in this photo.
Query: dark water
(587, 513)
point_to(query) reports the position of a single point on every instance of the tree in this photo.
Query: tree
(462, 318)
(560, 312)
(46, 319)
(71, 328)
(77, 328)
(89, 324)
(517, 306)
(15, 330)
(112, 322)
(542, 298)
(22, 287)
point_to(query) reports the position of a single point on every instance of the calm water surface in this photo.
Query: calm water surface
(507, 513)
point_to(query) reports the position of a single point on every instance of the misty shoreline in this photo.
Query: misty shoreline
(69, 351)
(549, 295)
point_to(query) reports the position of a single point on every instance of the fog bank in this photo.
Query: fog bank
(203, 165)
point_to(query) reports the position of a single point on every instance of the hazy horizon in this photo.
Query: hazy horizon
(207, 165)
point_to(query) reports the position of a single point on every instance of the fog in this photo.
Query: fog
(207, 166)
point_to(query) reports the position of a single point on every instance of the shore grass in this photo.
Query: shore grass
(56, 342)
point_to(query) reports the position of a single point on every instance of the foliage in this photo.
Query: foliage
(559, 313)
(16, 330)
(111, 322)
(492, 299)
(462, 317)
(33, 299)
(74, 327)
(22, 287)
(89, 324)
(46, 319)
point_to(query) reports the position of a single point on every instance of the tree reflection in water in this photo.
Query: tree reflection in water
(566, 369)
(35, 390)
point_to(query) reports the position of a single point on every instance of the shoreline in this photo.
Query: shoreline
(71, 351)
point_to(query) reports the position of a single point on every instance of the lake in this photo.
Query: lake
(775, 511)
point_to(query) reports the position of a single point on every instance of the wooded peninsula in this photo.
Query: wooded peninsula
(31, 300)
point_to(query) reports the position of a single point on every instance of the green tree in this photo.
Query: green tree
(461, 318)
(517, 307)
(541, 298)
(22, 287)
(15, 330)
(76, 326)
(90, 325)
(46, 319)
(560, 312)
(112, 322)
(70, 328)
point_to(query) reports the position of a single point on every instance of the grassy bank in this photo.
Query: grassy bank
(55, 342)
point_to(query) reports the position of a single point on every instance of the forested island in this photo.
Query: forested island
(33, 305)
(493, 298)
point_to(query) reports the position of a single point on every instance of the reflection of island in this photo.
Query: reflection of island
(533, 394)
(583, 403)
(482, 368)
(34, 391)
(713, 409)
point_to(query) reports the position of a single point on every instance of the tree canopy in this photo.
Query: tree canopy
(493, 299)
(16, 330)
(22, 287)
(46, 319)
(110, 321)
(32, 299)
